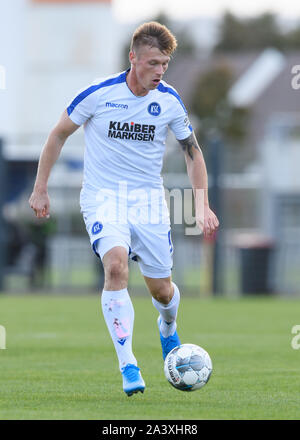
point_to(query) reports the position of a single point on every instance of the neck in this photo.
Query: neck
(133, 84)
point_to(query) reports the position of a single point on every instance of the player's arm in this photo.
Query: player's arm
(39, 199)
(197, 172)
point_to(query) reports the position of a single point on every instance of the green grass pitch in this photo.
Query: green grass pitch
(60, 362)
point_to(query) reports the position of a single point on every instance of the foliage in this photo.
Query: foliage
(292, 39)
(211, 106)
(254, 33)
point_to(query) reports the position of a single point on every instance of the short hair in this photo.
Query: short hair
(154, 34)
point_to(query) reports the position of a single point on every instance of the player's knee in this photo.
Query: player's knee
(163, 292)
(115, 264)
(117, 269)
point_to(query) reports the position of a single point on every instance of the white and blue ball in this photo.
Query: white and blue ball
(188, 367)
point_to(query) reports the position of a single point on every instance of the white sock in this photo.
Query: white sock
(119, 317)
(168, 313)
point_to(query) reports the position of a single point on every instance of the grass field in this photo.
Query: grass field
(60, 362)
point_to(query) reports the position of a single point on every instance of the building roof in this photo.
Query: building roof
(277, 96)
(184, 71)
(250, 85)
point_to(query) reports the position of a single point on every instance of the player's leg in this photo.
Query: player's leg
(152, 245)
(166, 299)
(119, 313)
(111, 242)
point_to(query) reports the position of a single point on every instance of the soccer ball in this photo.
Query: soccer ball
(188, 367)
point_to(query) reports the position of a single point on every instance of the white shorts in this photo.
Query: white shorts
(147, 242)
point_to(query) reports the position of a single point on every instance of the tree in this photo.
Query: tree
(292, 39)
(211, 106)
(249, 33)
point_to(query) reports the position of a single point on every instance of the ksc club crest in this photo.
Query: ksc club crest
(96, 228)
(154, 109)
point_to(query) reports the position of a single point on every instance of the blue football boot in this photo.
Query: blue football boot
(167, 344)
(132, 380)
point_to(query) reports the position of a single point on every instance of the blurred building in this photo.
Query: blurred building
(260, 182)
(49, 49)
(53, 48)
(56, 47)
(263, 81)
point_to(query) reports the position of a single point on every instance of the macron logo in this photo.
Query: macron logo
(122, 341)
(115, 105)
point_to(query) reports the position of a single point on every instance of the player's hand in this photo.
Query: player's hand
(209, 224)
(39, 202)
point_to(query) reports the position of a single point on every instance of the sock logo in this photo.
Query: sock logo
(122, 341)
(121, 331)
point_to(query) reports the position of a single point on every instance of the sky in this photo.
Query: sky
(134, 10)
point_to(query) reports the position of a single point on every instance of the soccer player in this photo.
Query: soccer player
(126, 118)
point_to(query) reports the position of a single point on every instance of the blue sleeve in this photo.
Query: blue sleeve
(83, 106)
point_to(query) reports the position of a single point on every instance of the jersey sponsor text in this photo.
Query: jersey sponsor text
(131, 131)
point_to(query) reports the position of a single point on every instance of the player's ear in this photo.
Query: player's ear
(132, 57)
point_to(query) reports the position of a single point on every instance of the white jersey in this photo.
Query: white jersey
(125, 134)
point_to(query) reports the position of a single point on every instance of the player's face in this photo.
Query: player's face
(150, 65)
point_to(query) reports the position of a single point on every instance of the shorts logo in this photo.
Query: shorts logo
(96, 228)
(170, 242)
(154, 109)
